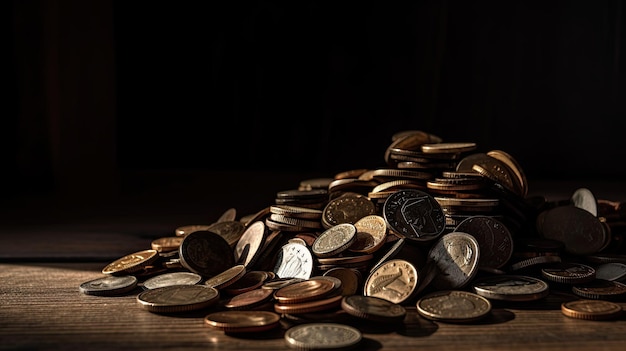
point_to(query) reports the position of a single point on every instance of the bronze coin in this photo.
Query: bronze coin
(206, 253)
(414, 214)
(306, 290)
(248, 299)
(591, 309)
(493, 237)
(322, 304)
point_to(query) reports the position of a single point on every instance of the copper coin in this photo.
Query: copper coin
(493, 237)
(322, 304)
(178, 298)
(350, 279)
(601, 289)
(591, 309)
(206, 253)
(306, 290)
(166, 244)
(414, 214)
(250, 281)
(248, 299)
(242, 321)
(227, 277)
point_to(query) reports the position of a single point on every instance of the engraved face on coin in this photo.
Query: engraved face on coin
(414, 214)
(456, 255)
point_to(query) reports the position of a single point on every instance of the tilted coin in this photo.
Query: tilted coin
(296, 211)
(457, 255)
(613, 271)
(414, 214)
(373, 308)
(242, 321)
(511, 288)
(186, 229)
(591, 309)
(394, 280)
(334, 240)
(248, 247)
(581, 232)
(294, 261)
(453, 306)
(226, 277)
(228, 215)
(172, 278)
(322, 336)
(206, 253)
(307, 290)
(178, 298)
(347, 208)
(493, 237)
(601, 289)
(568, 273)
(507, 159)
(166, 244)
(248, 299)
(131, 263)
(584, 198)
(109, 285)
(448, 147)
(231, 231)
(409, 140)
(371, 233)
(350, 279)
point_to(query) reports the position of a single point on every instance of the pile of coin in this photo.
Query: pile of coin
(442, 228)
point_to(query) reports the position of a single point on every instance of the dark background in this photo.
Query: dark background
(103, 96)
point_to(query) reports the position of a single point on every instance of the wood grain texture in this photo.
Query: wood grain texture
(41, 308)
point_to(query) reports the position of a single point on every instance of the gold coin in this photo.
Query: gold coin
(591, 309)
(131, 263)
(394, 280)
(166, 244)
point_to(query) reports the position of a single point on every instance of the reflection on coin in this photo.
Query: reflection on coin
(242, 321)
(453, 306)
(394, 280)
(109, 285)
(173, 278)
(373, 308)
(322, 336)
(294, 261)
(206, 253)
(131, 263)
(456, 255)
(177, 298)
(511, 288)
(248, 247)
(591, 309)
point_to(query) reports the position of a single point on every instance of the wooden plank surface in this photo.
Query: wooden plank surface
(42, 308)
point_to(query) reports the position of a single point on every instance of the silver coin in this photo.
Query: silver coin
(613, 271)
(334, 240)
(294, 261)
(322, 336)
(173, 278)
(511, 288)
(456, 255)
(109, 285)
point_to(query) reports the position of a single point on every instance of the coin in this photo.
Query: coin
(186, 229)
(601, 289)
(373, 308)
(493, 237)
(457, 255)
(591, 309)
(322, 336)
(568, 273)
(177, 298)
(347, 208)
(109, 285)
(511, 288)
(303, 291)
(581, 232)
(394, 281)
(414, 214)
(206, 253)
(584, 198)
(455, 306)
(172, 278)
(614, 271)
(231, 231)
(131, 263)
(318, 305)
(166, 244)
(226, 277)
(248, 299)
(228, 215)
(334, 240)
(294, 261)
(248, 247)
(371, 233)
(350, 279)
(242, 321)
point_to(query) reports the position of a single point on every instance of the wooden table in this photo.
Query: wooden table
(48, 249)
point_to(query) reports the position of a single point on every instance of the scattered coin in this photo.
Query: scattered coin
(172, 278)
(322, 336)
(591, 309)
(178, 298)
(109, 285)
(455, 306)
(242, 321)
